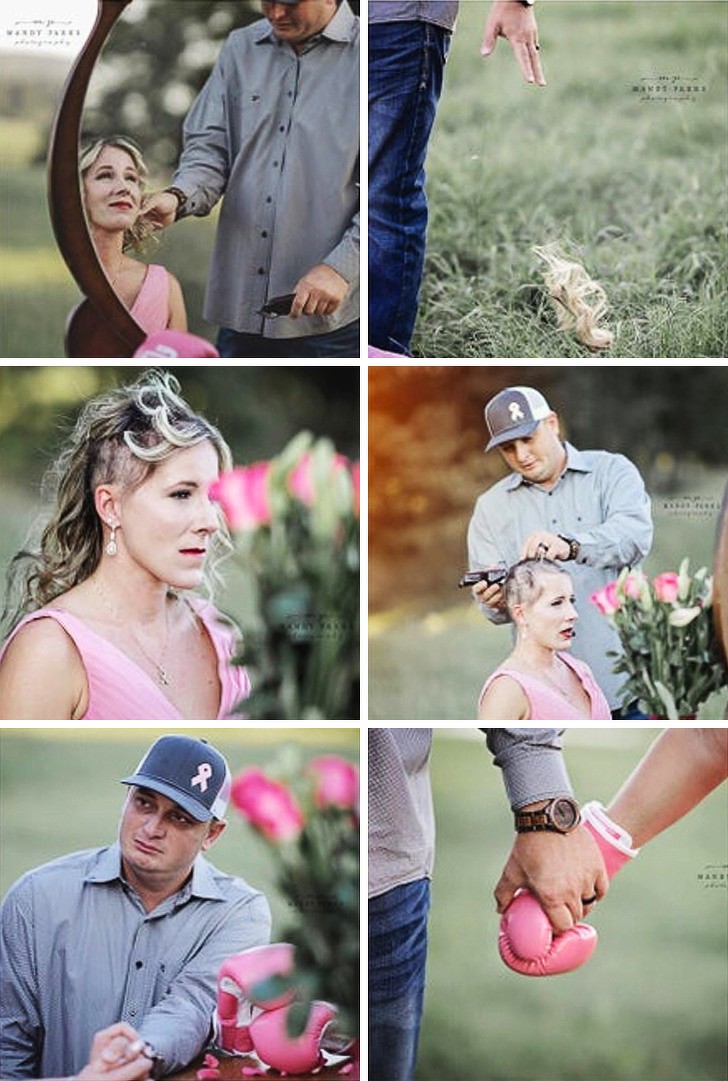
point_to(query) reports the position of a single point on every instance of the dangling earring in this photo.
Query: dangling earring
(111, 546)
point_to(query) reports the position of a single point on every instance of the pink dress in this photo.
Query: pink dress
(546, 704)
(151, 307)
(119, 690)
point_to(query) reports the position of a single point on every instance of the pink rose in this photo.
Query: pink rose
(301, 477)
(267, 805)
(666, 586)
(243, 495)
(633, 585)
(606, 599)
(355, 486)
(337, 782)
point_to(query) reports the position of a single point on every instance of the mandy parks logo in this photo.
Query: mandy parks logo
(41, 33)
(714, 876)
(662, 88)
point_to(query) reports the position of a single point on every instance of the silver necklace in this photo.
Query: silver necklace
(159, 667)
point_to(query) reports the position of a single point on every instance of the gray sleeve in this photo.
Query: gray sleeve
(204, 166)
(531, 761)
(483, 551)
(21, 1034)
(344, 258)
(179, 1027)
(625, 535)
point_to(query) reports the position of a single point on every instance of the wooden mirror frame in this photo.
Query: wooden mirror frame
(101, 325)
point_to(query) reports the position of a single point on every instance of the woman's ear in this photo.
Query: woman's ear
(106, 501)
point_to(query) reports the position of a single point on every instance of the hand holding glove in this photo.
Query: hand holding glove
(526, 940)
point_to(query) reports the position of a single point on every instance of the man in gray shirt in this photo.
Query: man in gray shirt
(587, 508)
(557, 860)
(276, 131)
(134, 932)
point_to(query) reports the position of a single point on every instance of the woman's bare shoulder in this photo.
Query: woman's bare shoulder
(41, 672)
(504, 700)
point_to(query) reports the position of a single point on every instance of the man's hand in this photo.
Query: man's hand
(562, 870)
(160, 209)
(514, 21)
(117, 1054)
(490, 596)
(319, 292)
(545, 544)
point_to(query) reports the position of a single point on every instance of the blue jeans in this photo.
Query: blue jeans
(406, 66)
(397, 956)
(344, 342)
(629, 712)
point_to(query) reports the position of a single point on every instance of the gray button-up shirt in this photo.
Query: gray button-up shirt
(601, 501)
(439, 12)
(79, 952)
(401, 817)
(277, 133)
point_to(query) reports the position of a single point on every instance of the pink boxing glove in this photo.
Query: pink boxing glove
(169, 344)
(294, 1055)
(526, 940)
(528, 944)
(237, 977)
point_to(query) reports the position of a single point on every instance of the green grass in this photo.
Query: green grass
(651, 1003)
(60, 793)
(635, 189)
(429, 662)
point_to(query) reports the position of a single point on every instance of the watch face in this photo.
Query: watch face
(565, 814)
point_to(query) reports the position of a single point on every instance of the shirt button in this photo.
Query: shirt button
(132, 1011)
(261, 270)
(275, 164)
(140, 964)
(282, 128)
(264, 234)
(269, 199)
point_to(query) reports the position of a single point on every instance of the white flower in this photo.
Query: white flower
(682, 616)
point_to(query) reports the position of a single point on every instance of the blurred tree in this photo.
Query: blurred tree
(258, 409)
(156, 60)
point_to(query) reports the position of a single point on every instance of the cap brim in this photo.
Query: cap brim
(521, 432)
(198, 811)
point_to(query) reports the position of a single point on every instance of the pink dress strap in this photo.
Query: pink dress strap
(546, 704)
(234, 678)
(120, 690)
(151, 307)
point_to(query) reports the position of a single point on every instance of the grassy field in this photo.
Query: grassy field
(429, 662)
(651, 1003)
(631, 183)
(44, 813)
(37, 291)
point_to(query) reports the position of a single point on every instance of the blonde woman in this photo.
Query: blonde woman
(113, 173)
(113, 625)
(539, 681)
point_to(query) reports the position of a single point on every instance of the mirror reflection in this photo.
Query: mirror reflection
(113, 175)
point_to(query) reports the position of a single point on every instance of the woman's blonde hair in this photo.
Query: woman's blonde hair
(523, 584)
(141, 230)
(119, 438)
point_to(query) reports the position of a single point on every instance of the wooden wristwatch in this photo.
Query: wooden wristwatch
(559, 815)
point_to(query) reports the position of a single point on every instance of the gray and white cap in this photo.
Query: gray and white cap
(514, 413)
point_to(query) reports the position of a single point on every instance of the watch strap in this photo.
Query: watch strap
(181, 201)
(574, 546)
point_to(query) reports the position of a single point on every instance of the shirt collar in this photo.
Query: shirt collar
(575, 461)
(202, 884)
(341, 28)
